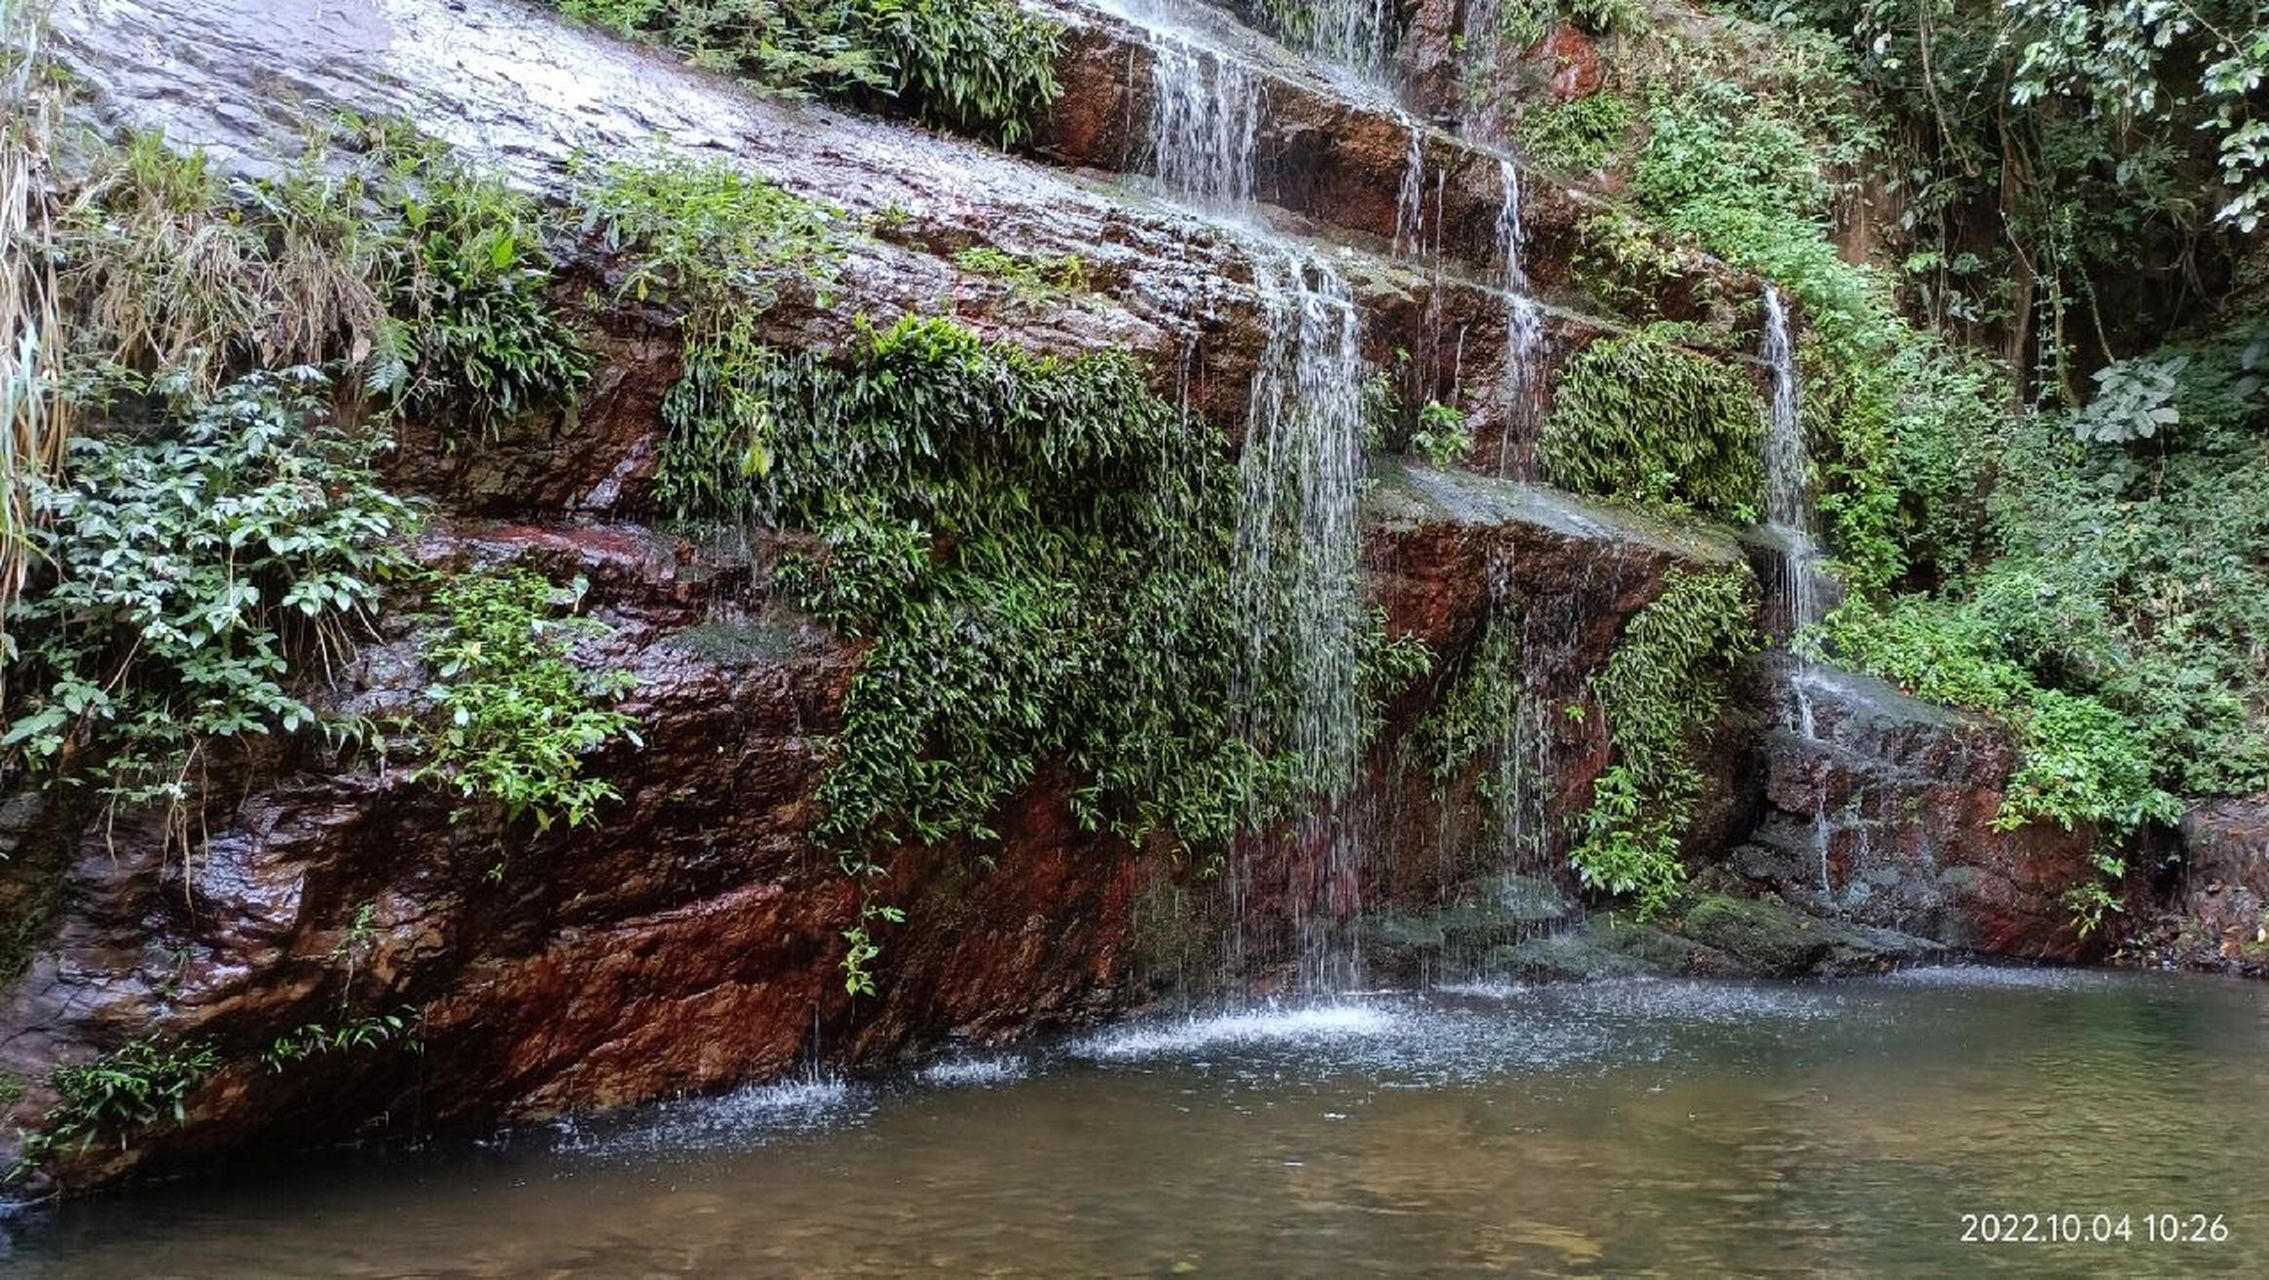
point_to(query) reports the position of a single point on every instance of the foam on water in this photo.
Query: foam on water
(1996, 976)
(953, 1073)
(1709, 1003)
(1290, 1024)
(745, 1117)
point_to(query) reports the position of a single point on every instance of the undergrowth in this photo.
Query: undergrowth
(1660, 691)
(981, 67)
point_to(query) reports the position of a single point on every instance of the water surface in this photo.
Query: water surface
(1673, 1128)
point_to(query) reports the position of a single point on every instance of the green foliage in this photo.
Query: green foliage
(721, 246)
(1579, 136)
(1662, 688)
(1473, 715)
(378, 253)
(516, 715)
(1442, 437)
(1638, 419)
(1039, 551)
(1434, 432)
(194, 566)
(2046, 155)
(2134, 401)
(982, 67)
(2080, 761)
(468, 273)
(120, 1094)
(316, 1039)
(1031, 277)
(2119, 626)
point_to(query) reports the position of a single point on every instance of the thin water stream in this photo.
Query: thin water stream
(1673, 1128)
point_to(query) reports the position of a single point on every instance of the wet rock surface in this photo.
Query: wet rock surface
(2212, 907)
(693, 938)
(1879, 810)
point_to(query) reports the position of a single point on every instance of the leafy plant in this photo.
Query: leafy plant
(316, 1039)
(1664, 685)
(1579, 136)
(194, 570)
(721, 246)
(2134, 401)
(121, 1094)
(378, 254)
(1639, 419)
(516, 715)
(983, 67)
(468, 272)
(1038, 550)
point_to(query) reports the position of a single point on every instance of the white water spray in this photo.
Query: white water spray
(1524, 321)
(1204, 127)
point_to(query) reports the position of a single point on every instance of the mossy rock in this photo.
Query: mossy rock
(1605, 947)
(1771, 939)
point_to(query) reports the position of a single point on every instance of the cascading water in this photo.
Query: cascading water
(1410, 201)
(1788, 473)
(1352, 33)
(1295, 573)
(1790, 518)
(1297, 579)
(1204, 125)
(1524, 322)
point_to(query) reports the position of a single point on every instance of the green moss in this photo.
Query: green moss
(1637, 419)
(1031, 277)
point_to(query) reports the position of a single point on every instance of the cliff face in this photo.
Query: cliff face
(693, 937)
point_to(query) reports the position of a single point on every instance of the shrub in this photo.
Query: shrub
(516, 714)
(195, 567)
(1637, 419)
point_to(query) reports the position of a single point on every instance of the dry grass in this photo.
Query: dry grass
(33, 425)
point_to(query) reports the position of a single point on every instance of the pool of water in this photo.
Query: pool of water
(1674, 1128)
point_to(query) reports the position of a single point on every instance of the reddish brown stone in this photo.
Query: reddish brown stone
(1572, 61)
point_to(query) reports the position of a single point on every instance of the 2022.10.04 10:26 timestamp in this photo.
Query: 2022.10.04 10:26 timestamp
(2094, 1228)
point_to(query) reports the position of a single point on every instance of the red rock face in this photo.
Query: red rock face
(1571, 62)
(2212, 911)
(1885, 817)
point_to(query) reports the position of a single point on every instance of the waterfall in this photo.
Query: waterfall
(1790, 518)
(1352, 33)
(1295, 574)
(1204, 123)
(1524, 322)
(1296, 568)
(1410, 201)
(1788, 472)
(1297, 581)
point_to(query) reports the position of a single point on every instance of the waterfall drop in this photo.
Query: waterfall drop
(1524, 322)
(1352, 33)
(1410, 201)
(1790, 518)
(1297, 580)
(1204, 125)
